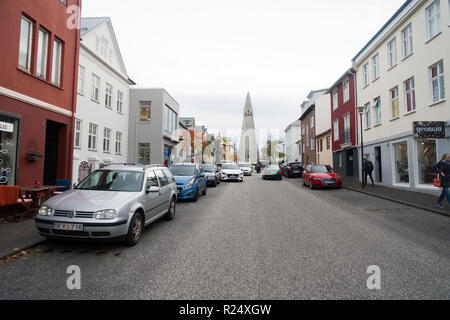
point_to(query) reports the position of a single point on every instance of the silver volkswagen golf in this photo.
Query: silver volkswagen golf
(115, 202)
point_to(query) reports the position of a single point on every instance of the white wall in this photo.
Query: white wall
(323, 114)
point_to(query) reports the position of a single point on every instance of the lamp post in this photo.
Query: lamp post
(361, 111)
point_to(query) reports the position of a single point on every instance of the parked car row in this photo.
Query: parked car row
(314, 176)
(118, 201)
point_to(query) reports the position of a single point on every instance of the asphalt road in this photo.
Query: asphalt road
(254, 240)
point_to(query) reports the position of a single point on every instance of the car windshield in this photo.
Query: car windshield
(272, 168)
(110, 180)
(209, 168)
(230, 166)
(182, 171)
(244, 165)
(321, 169)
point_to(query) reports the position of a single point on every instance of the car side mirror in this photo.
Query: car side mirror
(153, 189)
(201, 175)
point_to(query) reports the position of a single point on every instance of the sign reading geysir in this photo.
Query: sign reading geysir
(429, 129)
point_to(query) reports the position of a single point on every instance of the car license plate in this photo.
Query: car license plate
(68, 227)
(296, 171)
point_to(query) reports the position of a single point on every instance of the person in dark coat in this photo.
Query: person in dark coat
(368, 170)
(443, 169)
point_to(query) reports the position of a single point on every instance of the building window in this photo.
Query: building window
(335, 99)
(427, 158)
(313, 144)
(108, 95)
(26, 39)
(346, 90)
(64, 2)
(376, 67)
(170, 119)
(395, 107)
(146, 110)
(407, 41)
(95, 88)
(56, 65)
(104, 47)
(92, 142)
(77, 135)
(433, 14)
(437, 84)
(336, 130)
(392, 53)
(366, 74)
(119, 101)
(377, 110)
(118, 142)
(321, 145)
(401, 162)
(410, 95)
(340, 160)
(368, 116)
(144, 153)
(81, 79)
(106, 140)
(312, 122)
(42, 55)
(328, 143)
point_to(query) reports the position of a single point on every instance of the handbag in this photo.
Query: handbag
(437, 181)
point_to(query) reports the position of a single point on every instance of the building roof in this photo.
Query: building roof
(90, 23)
(296, 123)
(404, 9)
(338, 82)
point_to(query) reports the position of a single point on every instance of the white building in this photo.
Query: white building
(292, 147)
(101, 120)
(402, 78)
(323, 130)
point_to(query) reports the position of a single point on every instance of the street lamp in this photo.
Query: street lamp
(361, 111)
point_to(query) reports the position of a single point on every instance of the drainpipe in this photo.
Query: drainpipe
(75, 89)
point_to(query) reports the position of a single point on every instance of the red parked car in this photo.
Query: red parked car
(321, 177)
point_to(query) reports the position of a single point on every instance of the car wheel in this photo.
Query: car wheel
(205, 191)
(172, 210)
(135, 230)
(196, 195)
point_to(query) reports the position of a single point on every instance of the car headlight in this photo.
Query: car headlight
(190, 183)
(106, 214)
(45, 211)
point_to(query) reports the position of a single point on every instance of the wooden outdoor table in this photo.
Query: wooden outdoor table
(33, 191)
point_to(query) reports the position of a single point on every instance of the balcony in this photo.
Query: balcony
(346, 138)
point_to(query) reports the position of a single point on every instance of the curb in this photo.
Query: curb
(399, 201)
(34, 244)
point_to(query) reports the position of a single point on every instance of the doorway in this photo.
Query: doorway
(378, 167)
(350, 160)
(51, 153)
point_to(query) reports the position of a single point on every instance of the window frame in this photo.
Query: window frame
(93, 137)
(440, 78)
(411, 91)
(436, 18)
(42, 61)
(395, 110)
(57, 62)
(95, 88)
(81, 80)
(79, 132)
(366, 75)
(377, 111)
(375, 67)
(107, 140)
(335, 99)
(336, 130)
(108, 95)
(407, 41)
(119, 106)
(392, 53)
(118, 147)
(29, 43)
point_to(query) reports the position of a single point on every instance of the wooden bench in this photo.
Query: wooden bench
(14, 203)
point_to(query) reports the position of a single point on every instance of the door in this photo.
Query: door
(51, 153)
(165, 191)
(378, 168)
(152, 200)
(350, 161)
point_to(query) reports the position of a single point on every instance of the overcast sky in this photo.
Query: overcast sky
(208, 53)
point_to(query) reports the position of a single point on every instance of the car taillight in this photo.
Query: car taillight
(280, 172)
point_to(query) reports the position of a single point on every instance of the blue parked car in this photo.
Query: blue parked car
(190, 180)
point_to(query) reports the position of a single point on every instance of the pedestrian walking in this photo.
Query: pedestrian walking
(443, 170)
(166, 164)
(368, 170)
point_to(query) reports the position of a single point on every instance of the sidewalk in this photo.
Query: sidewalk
(410, 198)
(15, 237)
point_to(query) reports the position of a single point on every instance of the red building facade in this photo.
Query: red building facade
(38, 85)
(344, 128)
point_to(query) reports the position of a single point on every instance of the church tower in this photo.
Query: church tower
(248, 146)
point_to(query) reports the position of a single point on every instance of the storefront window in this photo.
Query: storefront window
(8, 150)
(427, 158)
(401, 162)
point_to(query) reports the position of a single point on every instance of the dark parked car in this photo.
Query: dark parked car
(293, 170)
(212, 174)
(272, 172)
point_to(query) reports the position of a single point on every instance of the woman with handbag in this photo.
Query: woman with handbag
(443, 167)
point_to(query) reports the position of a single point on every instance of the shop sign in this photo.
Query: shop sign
(429, 129)
(6, 127)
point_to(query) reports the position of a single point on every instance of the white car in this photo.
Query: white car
(246, 168)
(231, 172)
